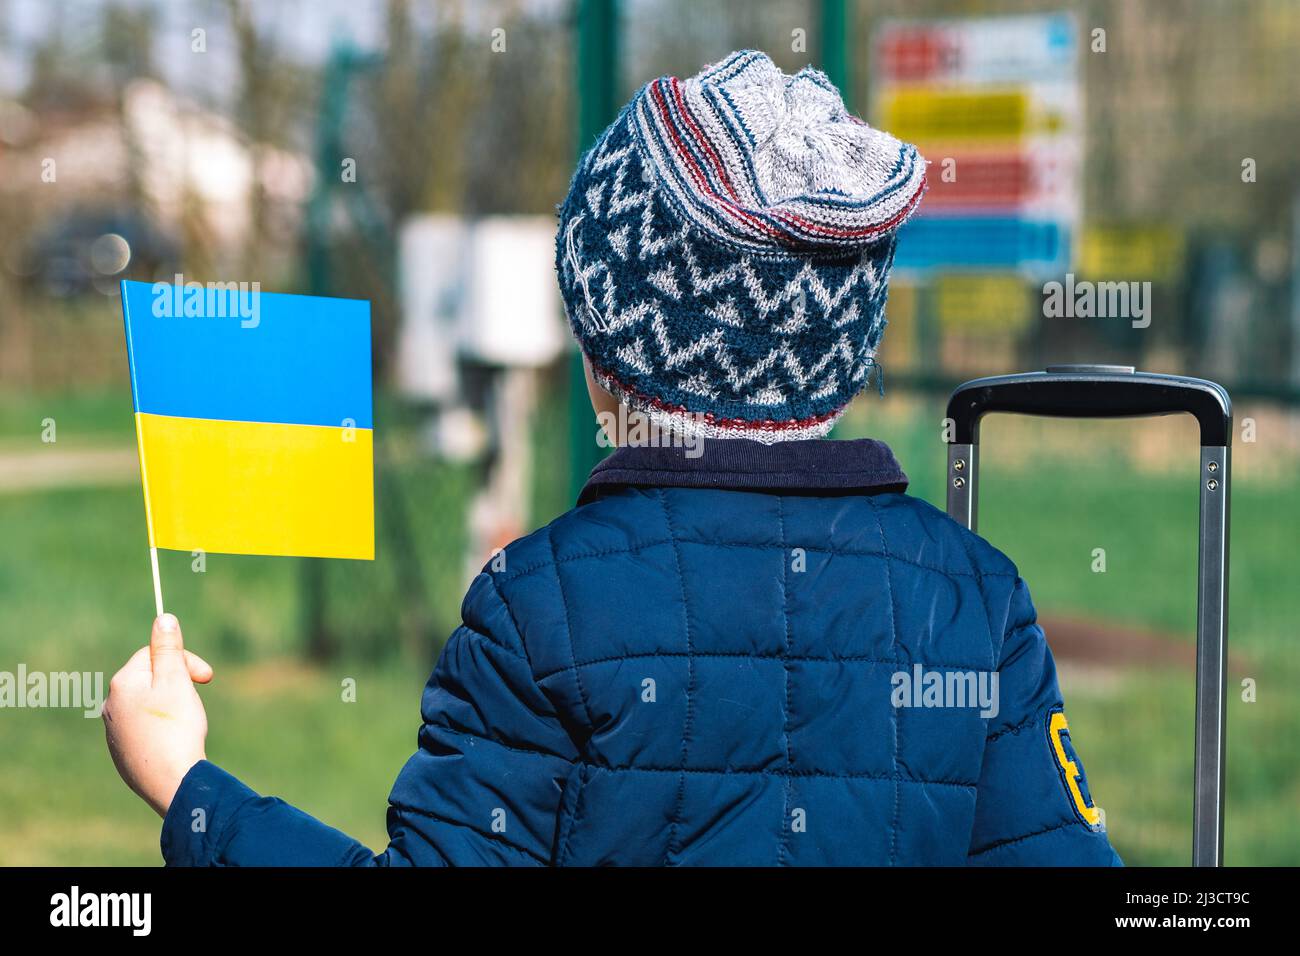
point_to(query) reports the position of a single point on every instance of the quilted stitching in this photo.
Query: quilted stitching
(785, 665)
(895, 714)
(771, 685)
(673, 846)
(702, 584)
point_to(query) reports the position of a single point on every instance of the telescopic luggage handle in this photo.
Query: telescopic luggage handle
(1117, 391)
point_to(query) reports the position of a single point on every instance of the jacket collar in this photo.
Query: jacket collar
(812, 466)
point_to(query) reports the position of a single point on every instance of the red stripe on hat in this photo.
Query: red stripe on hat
(702, 139)
(740, 213)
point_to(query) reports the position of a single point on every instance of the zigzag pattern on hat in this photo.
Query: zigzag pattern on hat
(719, 275)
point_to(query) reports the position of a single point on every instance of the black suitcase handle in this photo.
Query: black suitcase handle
(1092, 391)
(1117, 391)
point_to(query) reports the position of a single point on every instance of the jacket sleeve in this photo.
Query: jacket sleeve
(1033, 806)
(483, 788)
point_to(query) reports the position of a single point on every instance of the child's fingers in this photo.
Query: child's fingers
(200, 670)
(137, 663)
(167, 649)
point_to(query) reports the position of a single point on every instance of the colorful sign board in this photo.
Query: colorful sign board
(994, 105)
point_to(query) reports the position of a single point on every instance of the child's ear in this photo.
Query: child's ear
(601, 400)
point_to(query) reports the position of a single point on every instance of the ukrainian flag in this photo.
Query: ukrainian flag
(253, 417)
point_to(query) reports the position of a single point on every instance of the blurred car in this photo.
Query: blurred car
(88, 251)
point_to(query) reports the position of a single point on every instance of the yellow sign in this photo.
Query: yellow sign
(927, 115)
(1146, 253)
(984, 303)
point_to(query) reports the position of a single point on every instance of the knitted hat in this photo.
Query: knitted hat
(724, 250)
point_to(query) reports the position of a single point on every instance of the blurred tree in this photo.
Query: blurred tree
(526, 97)
(255, 113)
(128, 40)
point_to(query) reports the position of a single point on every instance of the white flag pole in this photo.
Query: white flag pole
(148, 518)
(157, 581)
(139, 441)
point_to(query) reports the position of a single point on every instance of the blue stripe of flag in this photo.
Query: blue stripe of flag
(305, 361)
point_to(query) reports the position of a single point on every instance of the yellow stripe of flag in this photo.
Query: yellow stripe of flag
(257, 487)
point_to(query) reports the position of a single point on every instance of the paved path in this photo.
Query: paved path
(54, 467)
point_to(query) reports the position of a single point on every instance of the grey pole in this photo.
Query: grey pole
(1211, 659)
(963, 484)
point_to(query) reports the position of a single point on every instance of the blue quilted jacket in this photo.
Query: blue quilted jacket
(761, 656)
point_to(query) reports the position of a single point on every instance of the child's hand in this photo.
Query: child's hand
(153, 718)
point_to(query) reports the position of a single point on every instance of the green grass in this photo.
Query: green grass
(75, 595)
(96, 418)
(1137, 739)
(282, 727)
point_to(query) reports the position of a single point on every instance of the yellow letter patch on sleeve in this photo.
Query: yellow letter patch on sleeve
(1072, 776)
